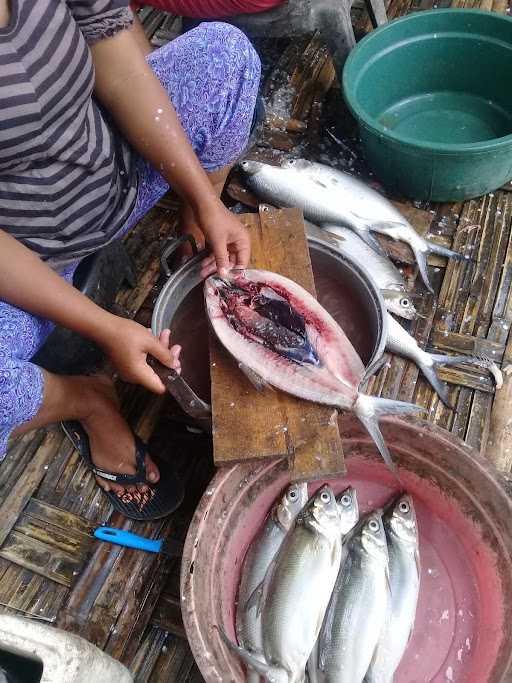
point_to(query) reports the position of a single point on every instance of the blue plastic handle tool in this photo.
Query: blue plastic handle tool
(127, 539)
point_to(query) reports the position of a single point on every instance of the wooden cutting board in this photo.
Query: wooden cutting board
(254, 425)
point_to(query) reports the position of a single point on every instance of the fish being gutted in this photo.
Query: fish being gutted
(399, 341)
(328, 196)
(256, 563)
(355, 616)
(292, 612)
(404, 580)
(280, 335)
(386, 275)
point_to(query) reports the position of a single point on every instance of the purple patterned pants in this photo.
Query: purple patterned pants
(212, 76)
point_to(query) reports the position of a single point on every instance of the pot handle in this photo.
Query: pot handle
(171, 248)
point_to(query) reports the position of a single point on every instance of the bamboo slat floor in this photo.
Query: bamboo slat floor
(127, 602)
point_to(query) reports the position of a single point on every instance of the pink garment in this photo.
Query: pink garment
(209, 9)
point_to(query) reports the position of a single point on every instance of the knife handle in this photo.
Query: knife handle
(127, 539)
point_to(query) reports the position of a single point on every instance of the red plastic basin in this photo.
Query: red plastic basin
(462, 631)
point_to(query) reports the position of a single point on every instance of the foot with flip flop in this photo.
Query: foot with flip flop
(137, 485)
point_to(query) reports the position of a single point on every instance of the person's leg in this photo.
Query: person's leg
(31, 397)
(212, 76)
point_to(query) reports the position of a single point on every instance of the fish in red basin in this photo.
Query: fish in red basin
(281, 336)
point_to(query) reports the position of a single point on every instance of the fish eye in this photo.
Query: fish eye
(345, 500)
(405, 302)
(325, 497)
(404, 507)
(373, 525)
(292, 495)
(291, 162)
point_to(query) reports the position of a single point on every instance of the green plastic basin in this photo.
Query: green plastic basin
(432, 93)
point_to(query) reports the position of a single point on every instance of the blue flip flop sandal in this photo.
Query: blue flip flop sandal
(161, 498)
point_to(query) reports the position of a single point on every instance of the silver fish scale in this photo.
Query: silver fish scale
(401, 610)
(293, 611)
(258, 559)
(385, 274)
(256, 564)
(355, 617)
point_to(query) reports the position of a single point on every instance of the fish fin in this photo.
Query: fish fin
(373, 368)
(258, 382)
(254, 599)
(434, 248)
(362, 231)
(369, 408)
(421, 259)
(370, 240)
(273, 674)
(383, 226)
(259, 595)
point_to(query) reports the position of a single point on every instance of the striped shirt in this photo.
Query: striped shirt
(67, 178)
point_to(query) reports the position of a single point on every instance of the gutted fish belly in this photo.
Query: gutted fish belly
(328, 196)
(256, 564)
(277, 330)
(309, 556)
(404, 579)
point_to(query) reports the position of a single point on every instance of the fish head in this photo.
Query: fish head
(400, 519)
(373, 537)
(399, 303)
(348, 508)
(250, 167)
(322, 513)
(294, 499)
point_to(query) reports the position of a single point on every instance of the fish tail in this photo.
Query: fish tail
(443, 251)
(437, 385)
(478, 361)
(369, 408)
(259, 668)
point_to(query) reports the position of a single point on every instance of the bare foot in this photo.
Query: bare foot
(111, 440)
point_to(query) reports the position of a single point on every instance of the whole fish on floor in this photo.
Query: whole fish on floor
(401, 530)
(328, 196)
(280, 335)
(353, 622)
(399, 341)
(309, 557)
(256, 564)
(386, 275)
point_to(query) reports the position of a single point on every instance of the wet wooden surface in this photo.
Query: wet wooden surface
(250, 425)
(128, 602)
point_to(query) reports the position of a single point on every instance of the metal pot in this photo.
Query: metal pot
(359, 303)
